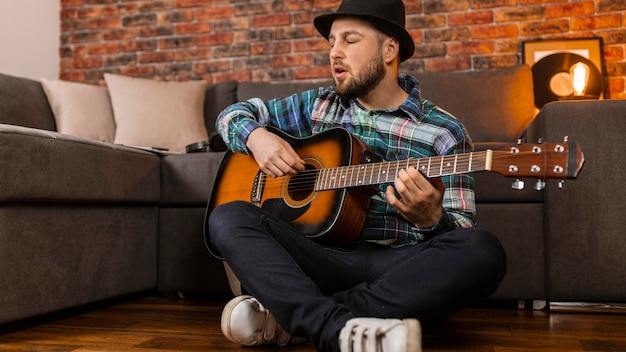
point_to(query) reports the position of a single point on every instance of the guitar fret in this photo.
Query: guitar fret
(381, 172)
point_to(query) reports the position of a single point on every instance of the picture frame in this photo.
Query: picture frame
(552, 61)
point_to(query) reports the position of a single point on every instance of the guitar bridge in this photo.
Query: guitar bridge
(257, 189)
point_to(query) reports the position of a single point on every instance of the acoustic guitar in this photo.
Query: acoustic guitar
(328, 201)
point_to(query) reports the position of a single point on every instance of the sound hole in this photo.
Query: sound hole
(302, 184)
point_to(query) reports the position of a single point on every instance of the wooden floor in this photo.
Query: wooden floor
(167, 324)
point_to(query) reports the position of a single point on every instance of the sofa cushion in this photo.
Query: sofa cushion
(217, 98)
(157, 114)
(40, 165)
(494, 105)
(81, 110)
(23, 103)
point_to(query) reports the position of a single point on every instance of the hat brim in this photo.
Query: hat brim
(323, 23)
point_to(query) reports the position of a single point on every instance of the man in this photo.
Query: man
(418, 256)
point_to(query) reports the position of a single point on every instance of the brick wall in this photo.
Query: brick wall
(265, 40)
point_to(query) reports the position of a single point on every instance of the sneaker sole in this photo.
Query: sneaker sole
(414, 335)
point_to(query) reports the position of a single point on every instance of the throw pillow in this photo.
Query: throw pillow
(158, 114)
(81, 110)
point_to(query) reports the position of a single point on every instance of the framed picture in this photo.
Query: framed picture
(565, 69)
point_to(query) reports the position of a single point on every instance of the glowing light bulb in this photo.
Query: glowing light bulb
(580, 77)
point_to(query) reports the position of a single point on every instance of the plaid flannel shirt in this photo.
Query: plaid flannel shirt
(416, 129)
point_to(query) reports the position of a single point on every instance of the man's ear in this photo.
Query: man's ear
(392, 49)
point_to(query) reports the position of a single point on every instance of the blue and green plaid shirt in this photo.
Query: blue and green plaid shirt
(416, 129)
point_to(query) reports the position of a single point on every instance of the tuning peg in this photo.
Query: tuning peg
(566, 139)
(539, 140)
(561, 184)
(518, 185)
(539, 185)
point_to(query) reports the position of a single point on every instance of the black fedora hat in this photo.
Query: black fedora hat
(386, 15)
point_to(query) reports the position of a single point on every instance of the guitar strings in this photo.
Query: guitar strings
(363, 174)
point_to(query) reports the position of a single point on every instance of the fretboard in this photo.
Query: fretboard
(387, 171)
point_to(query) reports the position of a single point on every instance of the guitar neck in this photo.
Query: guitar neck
(387, 171)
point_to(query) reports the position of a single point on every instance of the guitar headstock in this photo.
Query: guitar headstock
(541, 161)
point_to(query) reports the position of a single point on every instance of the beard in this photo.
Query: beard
(361, 85)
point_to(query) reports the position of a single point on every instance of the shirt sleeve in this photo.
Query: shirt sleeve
(291, 114)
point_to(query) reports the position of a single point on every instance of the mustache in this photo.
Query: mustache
(339, 63)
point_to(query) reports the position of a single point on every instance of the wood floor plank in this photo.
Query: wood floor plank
(159, 324)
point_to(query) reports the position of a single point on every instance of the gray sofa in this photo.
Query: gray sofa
(82, 221)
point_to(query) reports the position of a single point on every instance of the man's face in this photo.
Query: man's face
(355, 57)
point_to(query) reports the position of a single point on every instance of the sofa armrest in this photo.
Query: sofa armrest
(39, 165)
(585, 221)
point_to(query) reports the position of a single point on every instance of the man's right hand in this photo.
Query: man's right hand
(274, 155)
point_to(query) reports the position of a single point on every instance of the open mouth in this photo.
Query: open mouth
(340, 72)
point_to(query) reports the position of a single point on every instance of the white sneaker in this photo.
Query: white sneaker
(381, 335)
(246, 322)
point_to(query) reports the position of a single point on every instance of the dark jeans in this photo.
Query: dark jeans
(312, 289)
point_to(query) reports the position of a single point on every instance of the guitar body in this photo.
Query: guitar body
(334, 216)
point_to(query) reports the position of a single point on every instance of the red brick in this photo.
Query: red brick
(211, 67)
(439, 6)
(470, 18)
(613, 53)
(74, 76)
(159, 56)
(105, 48)
(193, 54)
(138, 71)
(310, 45)
(68, 3)
(292, 60)
(193, 3)
(569, 9)
(271, 48)
(85, 62)
(213, 13)
(154, 5)
(282, 19)
(236, 76)
(312, 72)
(177, 42)
(292, 5)
(596, 22)
(495, 31)
(215, 39)
(175, 16)
(326, 4)
(121, 33)
(544, 27)
(483, 4)
(448, 64)
(253, 9)
(470, 48)
(193, 27)
(517, 14)
(104, 22)
(97, 11)
(139, 45)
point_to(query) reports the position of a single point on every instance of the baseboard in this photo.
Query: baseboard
(587, 307)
